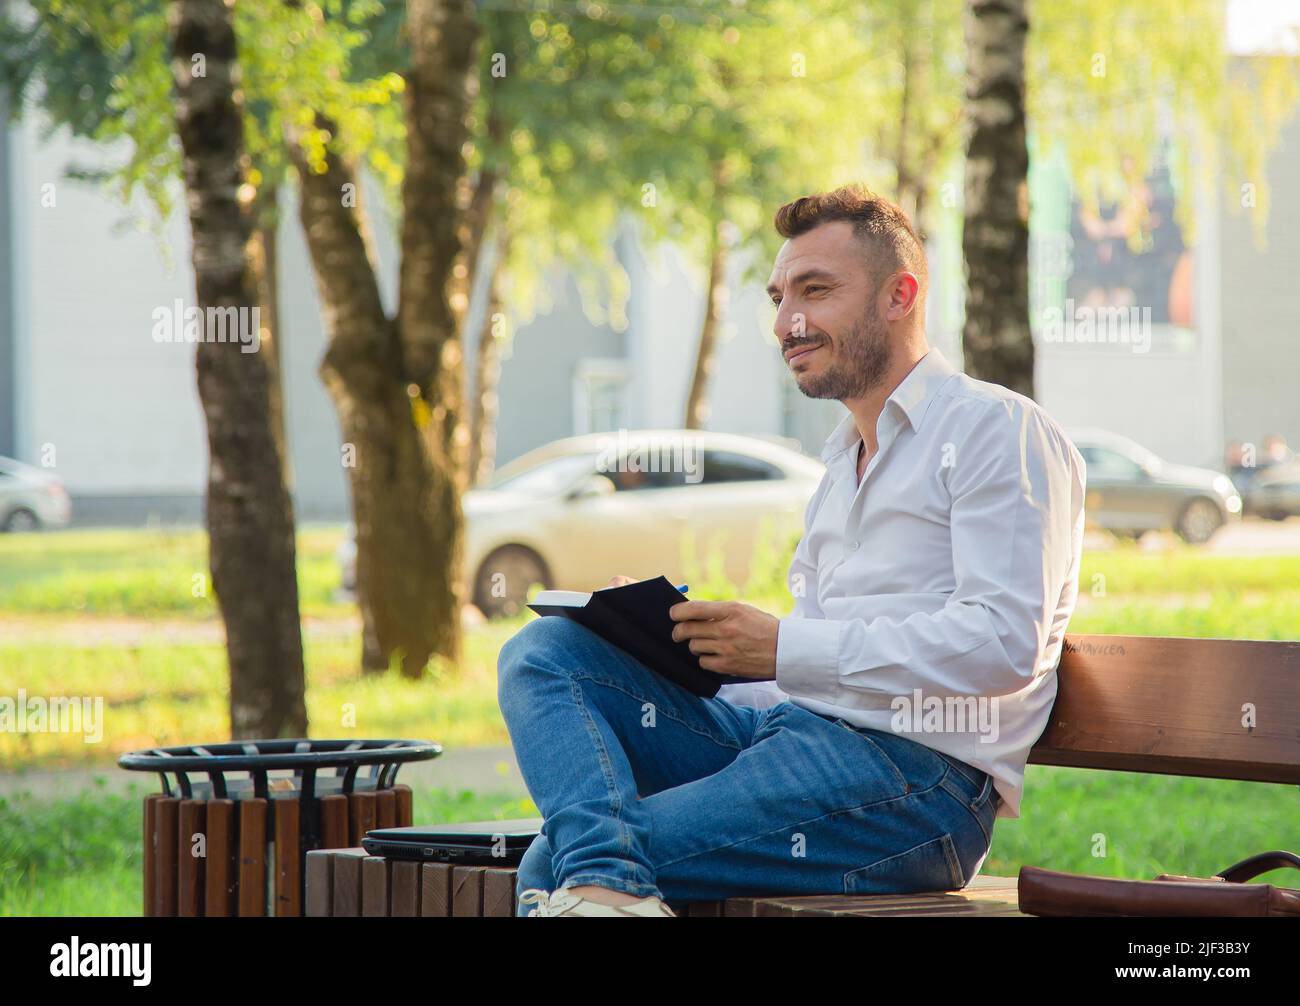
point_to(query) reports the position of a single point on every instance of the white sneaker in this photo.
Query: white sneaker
(564, 902)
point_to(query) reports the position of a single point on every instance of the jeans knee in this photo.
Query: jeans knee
(546, 637)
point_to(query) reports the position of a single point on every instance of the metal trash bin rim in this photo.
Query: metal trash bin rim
(258, 757)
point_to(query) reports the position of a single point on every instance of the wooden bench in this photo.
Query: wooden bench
(1214, 708)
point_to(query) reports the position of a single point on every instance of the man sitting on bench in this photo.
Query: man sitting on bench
(891, 714)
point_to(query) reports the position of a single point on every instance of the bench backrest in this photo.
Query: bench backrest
(1219, 708)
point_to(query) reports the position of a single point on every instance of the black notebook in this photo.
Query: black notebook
(635, 618)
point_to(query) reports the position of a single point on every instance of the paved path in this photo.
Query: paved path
(484, 770)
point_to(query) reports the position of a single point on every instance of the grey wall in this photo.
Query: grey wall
(536, 388)
(7, 403)
(1261, 308)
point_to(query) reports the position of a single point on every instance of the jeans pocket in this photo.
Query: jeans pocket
(985, 807)
(930, 866)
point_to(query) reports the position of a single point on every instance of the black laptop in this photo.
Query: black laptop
(476, 843)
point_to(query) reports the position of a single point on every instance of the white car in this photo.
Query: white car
(31, 498)
(575, 512)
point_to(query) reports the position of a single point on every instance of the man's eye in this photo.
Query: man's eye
(813, 289)
(776, 301)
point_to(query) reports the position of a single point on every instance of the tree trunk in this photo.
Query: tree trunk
(264, 259)
(997, 343)
(395, 504)
(397, 384)
(697, 404)
(249, 511)
(487, 373)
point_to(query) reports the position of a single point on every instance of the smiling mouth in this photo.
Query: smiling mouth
(800, 352)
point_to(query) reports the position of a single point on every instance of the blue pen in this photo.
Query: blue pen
(682, 588)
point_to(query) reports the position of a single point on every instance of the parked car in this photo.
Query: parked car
(31, 498)
(1274, 492)
(575, 512)
(1131, 490)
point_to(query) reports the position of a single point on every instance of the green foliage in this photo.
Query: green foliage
(725, 109)
(102, 68)
(1108, 81)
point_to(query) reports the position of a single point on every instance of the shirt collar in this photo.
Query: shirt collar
(912, 397)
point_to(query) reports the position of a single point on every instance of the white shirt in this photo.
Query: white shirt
(932, 599)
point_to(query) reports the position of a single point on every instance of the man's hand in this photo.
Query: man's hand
(729, 637)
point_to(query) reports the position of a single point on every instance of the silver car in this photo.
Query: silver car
(30, 498)
(575, 512)
(1131, 490)
(1274, 492)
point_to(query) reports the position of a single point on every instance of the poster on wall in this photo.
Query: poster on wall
(1122, 277)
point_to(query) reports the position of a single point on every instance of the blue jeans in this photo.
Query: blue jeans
(648, 789)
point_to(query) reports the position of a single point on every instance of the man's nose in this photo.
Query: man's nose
(786, 321)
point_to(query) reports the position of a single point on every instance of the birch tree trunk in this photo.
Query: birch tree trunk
(249, 510)
(997, 344)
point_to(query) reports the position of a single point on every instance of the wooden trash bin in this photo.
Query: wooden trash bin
(230, 835)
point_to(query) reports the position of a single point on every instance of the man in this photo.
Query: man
(891, 714)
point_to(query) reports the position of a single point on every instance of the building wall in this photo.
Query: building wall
(536, 389)
(118, 410)
(7, 377)
(1261, 308)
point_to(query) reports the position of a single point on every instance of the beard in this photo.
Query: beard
(858, 363)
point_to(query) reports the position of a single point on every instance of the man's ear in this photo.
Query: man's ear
(901, 295)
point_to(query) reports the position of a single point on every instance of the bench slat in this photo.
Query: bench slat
(1175, 706)
(347, 882)
(374, 887)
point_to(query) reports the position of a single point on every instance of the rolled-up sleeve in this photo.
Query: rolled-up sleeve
(1016, 494)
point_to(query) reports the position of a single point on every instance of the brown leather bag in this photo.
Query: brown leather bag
(1048, 892)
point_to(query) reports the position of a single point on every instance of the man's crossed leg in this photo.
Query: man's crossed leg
(649, 790)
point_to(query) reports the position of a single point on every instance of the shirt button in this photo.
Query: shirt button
(853, 546)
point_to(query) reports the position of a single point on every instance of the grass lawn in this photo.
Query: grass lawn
(124, 615)
(82, 856)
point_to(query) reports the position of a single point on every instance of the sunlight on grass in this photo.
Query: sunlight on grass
(68, 600)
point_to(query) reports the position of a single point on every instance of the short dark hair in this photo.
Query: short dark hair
(877, 222)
